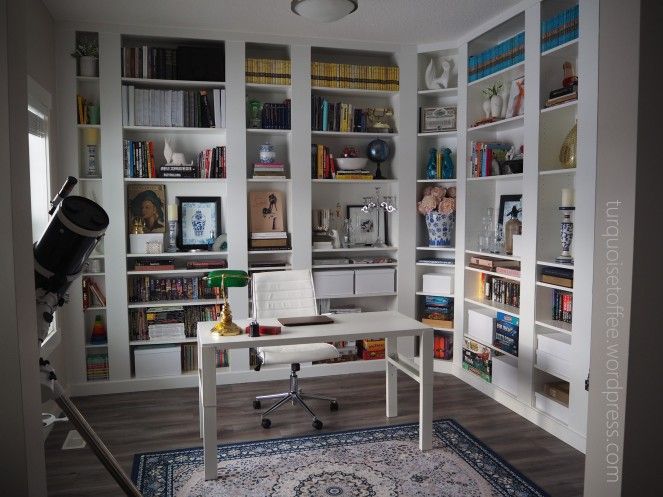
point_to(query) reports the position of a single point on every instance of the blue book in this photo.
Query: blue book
(506, 333)
(325, 114)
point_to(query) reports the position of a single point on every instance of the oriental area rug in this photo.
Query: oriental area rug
(373, 462)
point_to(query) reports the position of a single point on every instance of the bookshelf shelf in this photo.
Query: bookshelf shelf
(269, 268)
(92, 275)
(353, 181)
(267, 88)
(452, 133)
(501, 125)
(508, 73)
(174, 129)
(553, 325)
(96, 345)
(366, 295)
(435, 181)
(88, 126)
(171, 271)
(502, 177)
(446, 92)
(446, 330)
(172, 83)
(495, 306)
(430, 264)
(91, 79)
(351, 133)
(353, 92)
(167, 255)
(268, 180)
(554, 287)
(492, 273)
(175, 180)
(554, 264)
(494, 256)
(389, 248)
(353, 266)
(563, 50)
(560, 376)
(262, 131)
(94, 308)
(160, 341)
(90, 179)
(549, 172)
(558, 107)
(173, 303)
(254, 252)
(438, 249)
(433, 294)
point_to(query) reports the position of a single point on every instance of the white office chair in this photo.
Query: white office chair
(279, 294)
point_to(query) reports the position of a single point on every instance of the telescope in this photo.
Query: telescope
(60, 254)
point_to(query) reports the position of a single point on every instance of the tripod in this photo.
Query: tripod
(51, 389)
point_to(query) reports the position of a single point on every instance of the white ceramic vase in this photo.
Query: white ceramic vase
(87, 66)
(486, 108)
(496, 106)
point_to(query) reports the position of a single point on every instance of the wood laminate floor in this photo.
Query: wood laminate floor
(168, 419)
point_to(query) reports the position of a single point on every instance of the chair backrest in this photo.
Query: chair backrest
(283, 294)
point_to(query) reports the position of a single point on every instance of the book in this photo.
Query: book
(442, 261)
(207, 264)
(269, 235)
(506, 333)
(558, 271)
(556, 280)
(154, 267)
(268, 243)
(492, 264)
(477, 359)
(551, 102)
(508, 271)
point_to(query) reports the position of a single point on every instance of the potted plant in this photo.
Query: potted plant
(87, 53)
(438, 205)
(492, 106)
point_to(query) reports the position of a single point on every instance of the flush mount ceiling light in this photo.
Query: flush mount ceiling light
(323, 10)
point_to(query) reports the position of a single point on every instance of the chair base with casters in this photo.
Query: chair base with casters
(295, 396)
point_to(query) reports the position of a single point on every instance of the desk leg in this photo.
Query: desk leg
(426, 390)
(390, 349)
(208, 410)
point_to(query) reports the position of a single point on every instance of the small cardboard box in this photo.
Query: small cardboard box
(157, 360)
(333, 283)
(438, 283)
(481, 325)
(371, 281)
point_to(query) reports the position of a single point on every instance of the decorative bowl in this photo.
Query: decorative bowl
(351, 163)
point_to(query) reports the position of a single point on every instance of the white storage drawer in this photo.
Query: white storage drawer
(552, 407)
(372, 281)
(333, 283)
(157, 361)
(557, 344)
(480, 325)
(553, 364)
(438, 283)
(505, 373)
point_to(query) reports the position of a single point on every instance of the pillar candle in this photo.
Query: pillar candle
(567, 197)
(172, 212)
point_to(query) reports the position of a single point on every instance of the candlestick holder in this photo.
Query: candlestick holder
(566, 233)
(172, 236)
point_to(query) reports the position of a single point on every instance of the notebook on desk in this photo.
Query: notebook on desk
(305, 320)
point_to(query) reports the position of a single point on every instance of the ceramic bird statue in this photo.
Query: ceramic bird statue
(434, 82)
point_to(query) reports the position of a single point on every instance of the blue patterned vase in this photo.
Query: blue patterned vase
(198, 223)
(440, 227)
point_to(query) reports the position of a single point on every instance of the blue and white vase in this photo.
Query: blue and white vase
(198, 223)
(440, 228)
(266, 153)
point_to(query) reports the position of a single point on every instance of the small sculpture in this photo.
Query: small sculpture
(174, 158)
(434, 82)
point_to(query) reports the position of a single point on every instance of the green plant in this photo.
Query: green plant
(493, 90)
(86, 48)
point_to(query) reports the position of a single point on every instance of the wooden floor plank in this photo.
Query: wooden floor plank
(168, 419)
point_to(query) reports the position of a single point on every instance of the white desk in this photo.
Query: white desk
(388, 325)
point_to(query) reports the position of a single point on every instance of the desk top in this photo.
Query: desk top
(345, 327)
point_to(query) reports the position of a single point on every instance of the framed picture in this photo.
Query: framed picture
(516, 105)
(266, 211)
(199, 222)
(367, 228)
(437, 119)
(507, 203)
(146, 205)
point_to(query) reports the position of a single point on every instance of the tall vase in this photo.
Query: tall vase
(87, 66)
(440, 228)
(496, 106)
(567, 153)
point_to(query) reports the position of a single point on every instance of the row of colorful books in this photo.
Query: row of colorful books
(497, 58)
(559, 29)
(344, 117)
(173, 108)
(153, 289)
(268, 71)
(165, 323)
(139, 319)
(92, 294)
(190, 357)
(486, 156)
(160, 264)
(562, 306)
(96, 367)
(210, 163)
(149, 62)
(334, 75)
(269, 170)
(499, 290)
(187, 62)
(276, 116)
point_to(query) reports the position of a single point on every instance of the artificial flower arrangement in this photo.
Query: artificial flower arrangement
(438, 199)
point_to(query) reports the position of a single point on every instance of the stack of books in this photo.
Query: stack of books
(276, 116)
(559, 29)
(370, 349)
(443, 346)
(322, 162)
(561, 95)
(506, 333)
(96, 366)
(269, 170)
(557, 276)
(501, 56)
(269, 240)
(154, 265)
(441, 261)
(438, 312)
(506, 267)
(502, 291)
(195, 313)
(362, 174)
(165, 323)
(207, 264)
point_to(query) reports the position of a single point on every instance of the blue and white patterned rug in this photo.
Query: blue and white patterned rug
(373, 462)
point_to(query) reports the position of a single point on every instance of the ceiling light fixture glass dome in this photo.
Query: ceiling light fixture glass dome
(323, 10)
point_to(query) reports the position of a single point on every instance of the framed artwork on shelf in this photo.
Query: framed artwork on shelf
(437, 119)
(146, 208)
(507, 202)
(199, 222)
(367, 227)
(516, 105)
(266, 211)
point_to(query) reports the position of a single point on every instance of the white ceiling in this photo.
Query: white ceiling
(391, 21)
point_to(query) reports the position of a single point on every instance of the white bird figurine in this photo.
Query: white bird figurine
(434, 82)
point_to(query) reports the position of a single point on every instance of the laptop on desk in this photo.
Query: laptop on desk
(305, 320)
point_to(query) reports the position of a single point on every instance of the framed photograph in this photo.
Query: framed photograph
(437, 119)
(516, 105)
(266, 211)
(146, 205)
(507, 202)
(199, 222)
(367, 228)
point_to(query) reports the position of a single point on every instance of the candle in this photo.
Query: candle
(172, 212)
(567, 197)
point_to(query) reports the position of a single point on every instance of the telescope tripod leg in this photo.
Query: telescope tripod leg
(97, 446)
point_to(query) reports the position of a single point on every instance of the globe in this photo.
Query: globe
(377, 151)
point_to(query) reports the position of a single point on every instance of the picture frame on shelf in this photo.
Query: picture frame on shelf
(366, 227)
(516, 105)
(506, 205)
(199, 222)
(434, 119)
(146, 205)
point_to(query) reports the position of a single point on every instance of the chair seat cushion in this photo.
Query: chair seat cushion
(290, 354)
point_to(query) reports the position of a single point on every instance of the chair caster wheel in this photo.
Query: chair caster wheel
(333, 406)
(266, 423)
(256, 404)
(317, 424)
